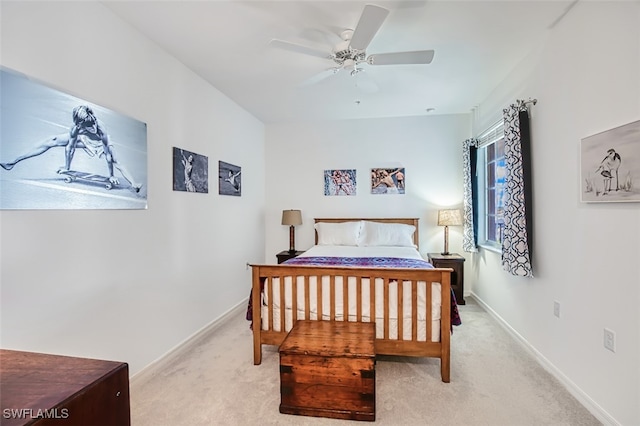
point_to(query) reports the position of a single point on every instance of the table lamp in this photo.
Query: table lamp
(292, 218)
(447, 218)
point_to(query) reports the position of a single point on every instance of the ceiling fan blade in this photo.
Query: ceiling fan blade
(370, 22)
(402, 58)
(319, 77)
(298, 48)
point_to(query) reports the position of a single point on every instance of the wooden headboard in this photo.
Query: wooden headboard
(407, 221)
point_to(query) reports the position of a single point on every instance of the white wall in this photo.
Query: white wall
(429, 148)
(128, 285)
(170, 270)
(586, 77)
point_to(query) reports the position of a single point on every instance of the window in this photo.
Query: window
(491, 186)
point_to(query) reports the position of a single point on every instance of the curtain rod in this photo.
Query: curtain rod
(522, 105)
(530, 101)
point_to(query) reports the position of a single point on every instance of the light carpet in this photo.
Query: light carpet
(494, 381)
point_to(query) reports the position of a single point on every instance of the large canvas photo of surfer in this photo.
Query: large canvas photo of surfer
(58, 151)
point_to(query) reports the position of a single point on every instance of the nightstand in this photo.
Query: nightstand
(455, 262)
(286, 255)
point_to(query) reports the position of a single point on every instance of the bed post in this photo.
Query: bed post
(445, 326)
(256, 325)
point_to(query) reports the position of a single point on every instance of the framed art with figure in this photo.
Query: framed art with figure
(388, 181)
(58, 151)
(340, 182)
(230, 179)
(610, 165)
(190, 171)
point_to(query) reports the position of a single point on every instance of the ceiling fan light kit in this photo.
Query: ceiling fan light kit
(351, 51)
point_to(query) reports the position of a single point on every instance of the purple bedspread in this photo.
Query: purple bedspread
(366, 262)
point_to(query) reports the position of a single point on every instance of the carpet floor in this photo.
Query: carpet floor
(494, 382)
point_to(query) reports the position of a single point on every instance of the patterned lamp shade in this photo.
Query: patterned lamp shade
(449, 217)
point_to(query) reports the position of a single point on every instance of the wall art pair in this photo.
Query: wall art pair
(383, 181)
(191, 174)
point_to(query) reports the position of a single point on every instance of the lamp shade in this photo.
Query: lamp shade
(449, 217)
(291, 217)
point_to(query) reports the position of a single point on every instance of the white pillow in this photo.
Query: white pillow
(386, 234)
(338, 234)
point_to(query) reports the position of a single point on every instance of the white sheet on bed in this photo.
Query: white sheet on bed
(360, 251)
(353, 251)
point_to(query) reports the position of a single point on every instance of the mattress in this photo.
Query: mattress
(351, 312)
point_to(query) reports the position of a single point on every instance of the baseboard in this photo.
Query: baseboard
(573, 389)
(184, 346)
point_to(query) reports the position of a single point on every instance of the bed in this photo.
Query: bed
(353, 273)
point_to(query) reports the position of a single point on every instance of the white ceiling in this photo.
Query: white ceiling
(476, 43)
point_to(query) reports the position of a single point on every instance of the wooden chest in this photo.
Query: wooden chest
(48, 390)
(327, 369)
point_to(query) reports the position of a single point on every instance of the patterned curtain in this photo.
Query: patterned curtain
(469, 227)
(516, 243)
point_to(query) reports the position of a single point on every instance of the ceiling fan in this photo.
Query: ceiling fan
(350, 53)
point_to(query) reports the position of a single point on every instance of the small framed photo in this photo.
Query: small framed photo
(190, 171)
(388, 181)
(230, 179)
(340, 182)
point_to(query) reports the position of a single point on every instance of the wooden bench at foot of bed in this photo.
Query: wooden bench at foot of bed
(272, 328)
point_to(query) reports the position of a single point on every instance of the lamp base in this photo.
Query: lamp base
(292, 239)
(445, 252)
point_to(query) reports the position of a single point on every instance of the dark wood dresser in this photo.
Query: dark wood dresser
(51, 390)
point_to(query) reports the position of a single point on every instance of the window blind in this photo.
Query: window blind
(491, 135)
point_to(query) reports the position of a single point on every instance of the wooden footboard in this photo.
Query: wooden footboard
(272, 283)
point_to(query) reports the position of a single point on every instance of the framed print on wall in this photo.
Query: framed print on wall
(190, 171)
(230, 179)
(340, 182)
(610, 165)
(388, 181)
(58, 151)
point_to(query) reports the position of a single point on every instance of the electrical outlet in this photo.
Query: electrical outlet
(610, 340)
(556, 308)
